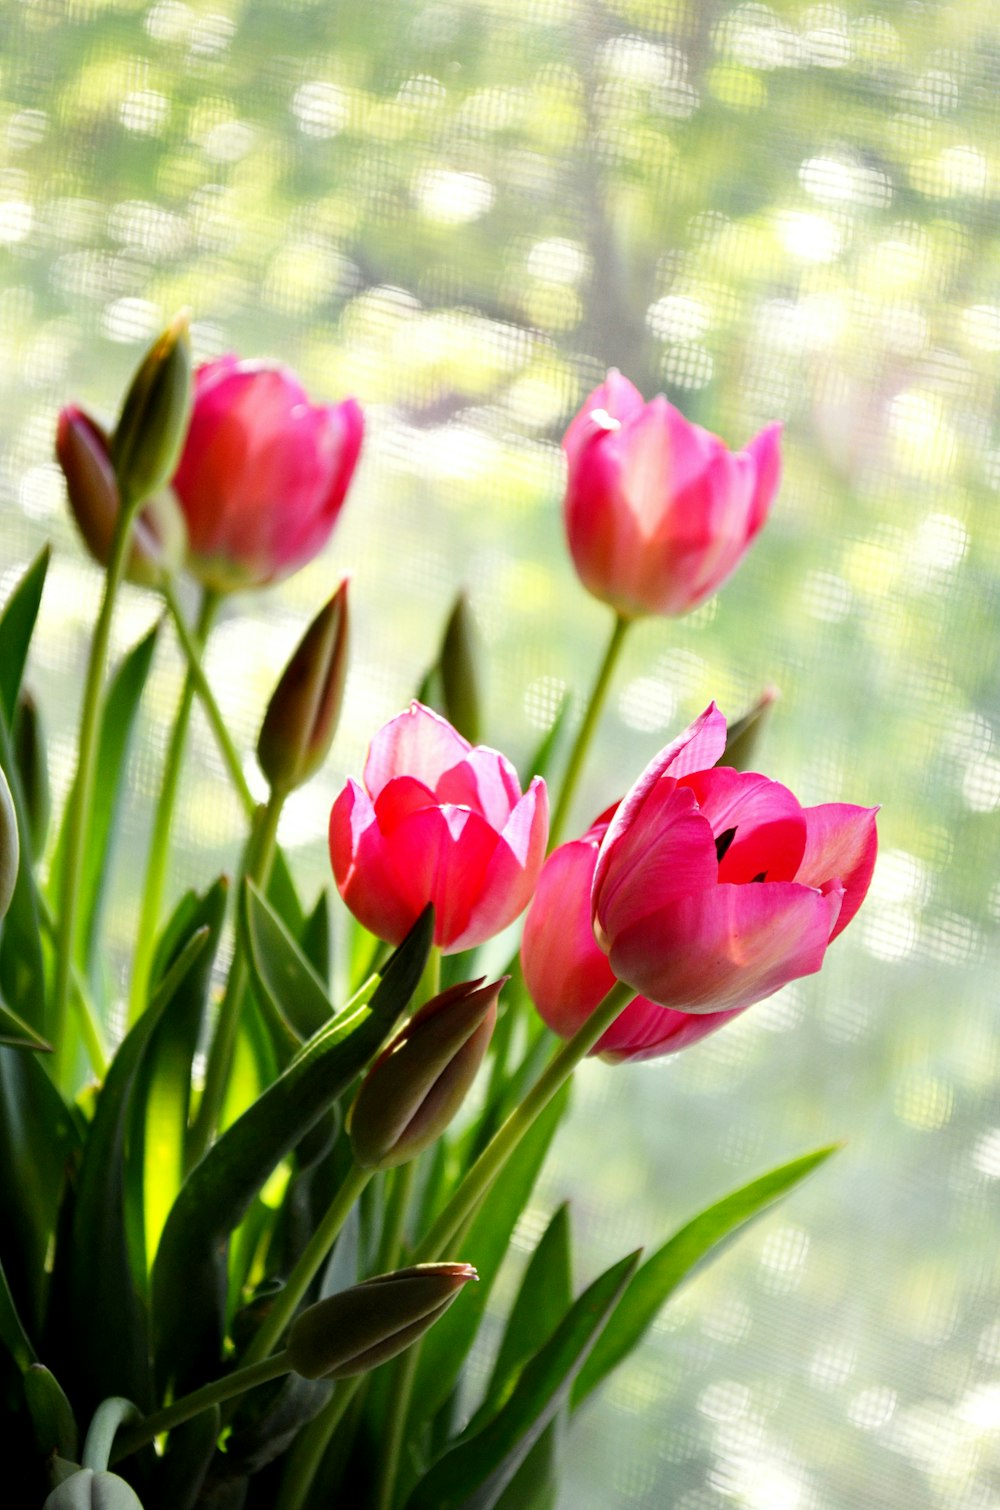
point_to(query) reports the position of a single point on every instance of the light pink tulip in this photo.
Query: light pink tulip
(263, 473)
(706, 889)
(437, 820)
(658, 511)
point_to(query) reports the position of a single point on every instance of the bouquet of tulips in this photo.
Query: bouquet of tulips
(255, 1284)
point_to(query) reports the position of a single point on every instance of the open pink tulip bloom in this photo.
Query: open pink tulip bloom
(706, 889)
(440, 821)
(658, 511)
(263, 473)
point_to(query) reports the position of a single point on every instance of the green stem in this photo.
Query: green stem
(585, 733)
(220, 1056)
(190, 1405)
(391, 1242)
(90, 1032)
(191, 647)
(496, 1153)
(392, 1438)
(108, 1416)
(82, 796)
(311, 1445)
(159, 844)
(286, 1303)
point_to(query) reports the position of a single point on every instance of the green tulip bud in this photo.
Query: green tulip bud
(146, 444)
(87, 1490)
(32, 765)
(301, 718)
(357, 1329)
(744, 733)
(10, 849)
(418, 1083)
(459, 672)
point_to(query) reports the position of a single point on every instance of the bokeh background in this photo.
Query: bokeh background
(463, 213)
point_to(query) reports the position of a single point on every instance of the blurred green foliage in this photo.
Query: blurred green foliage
(463, 213)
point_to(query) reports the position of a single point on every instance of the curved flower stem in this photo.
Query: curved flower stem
(192, 654)
(190, 1405)
(287, 1301)
(159, 844)
(81, 797)
(108, 1417)
(585, 733)
(311, 1444)
(496, 1153)
(220, 1055)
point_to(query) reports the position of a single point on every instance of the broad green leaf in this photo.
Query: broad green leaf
(484, 1245)
(679, 1258)
(283, 896)
(282, 975)
(17, 624)
(479, 1465)
(50, 1411)
(545, 1296)
(15, 1033)
(316, 940)
(22, 969)
(535, 1485)
(118, 717)
(12, 1334)
(164, 1098)
(111, 1352)
(189, 1280)
(38, 1140)
(190, 1449)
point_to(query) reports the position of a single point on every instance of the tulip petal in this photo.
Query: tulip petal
(616, 397)
(565, 971)
(646, 1030)
(511, 873)
(440, 854)
(770, 826)
(418, 742)
(485, 781)
(841, 845)
(362, 870)
(765, 452)
(726, 947)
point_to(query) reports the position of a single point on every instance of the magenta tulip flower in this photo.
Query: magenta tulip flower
(658, 511)
(263, 473)
(437, 820)
(705, 890)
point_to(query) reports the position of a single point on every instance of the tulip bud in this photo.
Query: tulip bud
(147, 441)
(301, 718)
(459, 675)
(29, 752)
(159, 534)
(357, 1329)
(10, 849)
(87, 1490)
(744, 733)
(417, 1084)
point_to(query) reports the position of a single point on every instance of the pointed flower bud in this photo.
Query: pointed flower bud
(301, 718)
(459, 674)
(743, 735)
(32, 765)
(418, 1083)
(10, 849)
(147, 441)
(87, 1490)
(357, 1329)
(159, 535)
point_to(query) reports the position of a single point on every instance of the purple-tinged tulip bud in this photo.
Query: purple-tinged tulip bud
(146, 444)
(302, 716)
(418, 1083)
(10, 848)
(159, 534)
(357, 1329)
(743, 735)
(87, 1490)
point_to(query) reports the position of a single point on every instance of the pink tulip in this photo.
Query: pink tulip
(437, 820)
(658, 511)
(263, 473)
(706, 889)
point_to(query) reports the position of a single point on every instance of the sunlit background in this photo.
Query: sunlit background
(463, 213)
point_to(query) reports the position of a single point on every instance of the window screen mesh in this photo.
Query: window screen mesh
(463, 213)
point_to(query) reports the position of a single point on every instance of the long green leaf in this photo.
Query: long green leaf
(17, 624)
(189, 1281)
(545, 1295)
(50, 1411)
(476, 1469)
(110, 1346)
(485, 1245)
(282, 975)
(679, 1258)
(15, 1033)
(22, 968)
(12, 1334)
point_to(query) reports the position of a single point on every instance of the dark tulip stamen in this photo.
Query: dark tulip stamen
(761, 877)
(723, 842)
